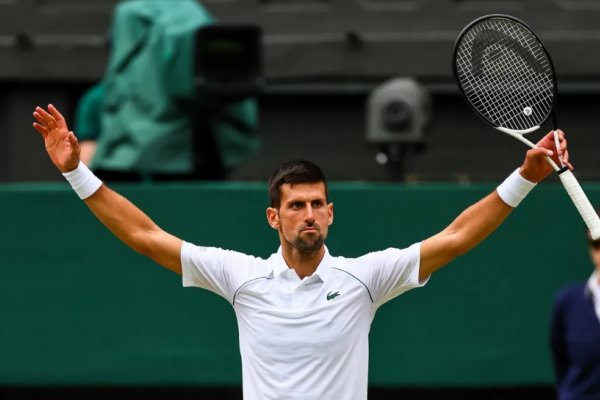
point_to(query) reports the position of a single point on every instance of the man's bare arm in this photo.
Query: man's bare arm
(135, 229)
(484, 217)
(465, 232)
(117, 213)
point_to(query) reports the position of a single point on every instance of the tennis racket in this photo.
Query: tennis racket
(507, 77)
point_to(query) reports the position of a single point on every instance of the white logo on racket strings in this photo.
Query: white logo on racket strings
(527, 111)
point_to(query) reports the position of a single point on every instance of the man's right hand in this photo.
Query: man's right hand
(61, 144)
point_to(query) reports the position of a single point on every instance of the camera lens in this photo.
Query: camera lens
(396, 116)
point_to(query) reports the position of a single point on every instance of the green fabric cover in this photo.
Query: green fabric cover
(88, 113)
(150, 70)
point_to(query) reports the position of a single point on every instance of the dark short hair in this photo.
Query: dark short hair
(292, 172)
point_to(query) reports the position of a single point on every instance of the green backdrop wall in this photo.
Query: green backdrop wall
(79, 308)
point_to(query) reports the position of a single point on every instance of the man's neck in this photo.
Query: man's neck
(304, 263)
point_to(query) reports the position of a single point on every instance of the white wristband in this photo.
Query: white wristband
(514, 189)
(83, 181)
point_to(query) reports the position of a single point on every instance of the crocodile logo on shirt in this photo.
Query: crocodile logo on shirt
(333, 295)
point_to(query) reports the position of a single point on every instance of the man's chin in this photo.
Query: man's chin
(309, 246)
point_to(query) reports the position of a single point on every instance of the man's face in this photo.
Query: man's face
(303, 217)
(594, 247)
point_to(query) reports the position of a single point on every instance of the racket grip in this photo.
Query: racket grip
(581, 202)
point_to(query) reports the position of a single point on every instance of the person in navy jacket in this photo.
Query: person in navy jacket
(575, 335)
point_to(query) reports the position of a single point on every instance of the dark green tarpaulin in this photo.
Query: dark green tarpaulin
(149, 74)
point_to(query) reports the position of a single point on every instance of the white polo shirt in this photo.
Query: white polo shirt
(594, 288)
(303, 339)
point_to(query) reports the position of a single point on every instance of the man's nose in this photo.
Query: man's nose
(310, 216)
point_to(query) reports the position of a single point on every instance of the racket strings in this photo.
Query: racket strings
(533, 86)
(525, 90)
(501, 83)
(505, 74)
(520, 85)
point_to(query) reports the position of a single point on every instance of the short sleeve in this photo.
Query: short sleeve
(391, 272)
(212, 268)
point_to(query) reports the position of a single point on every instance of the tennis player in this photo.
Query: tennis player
(303, 314)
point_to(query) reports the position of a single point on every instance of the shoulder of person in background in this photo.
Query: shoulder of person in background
(88, 120)
(88, 113)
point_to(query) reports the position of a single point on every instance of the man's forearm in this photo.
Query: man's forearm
(478, 221)
(467, 230)
(122, 218)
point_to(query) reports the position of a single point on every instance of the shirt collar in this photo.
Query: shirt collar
(323, 270)
(592, 288)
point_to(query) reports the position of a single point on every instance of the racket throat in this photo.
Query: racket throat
(518, 133)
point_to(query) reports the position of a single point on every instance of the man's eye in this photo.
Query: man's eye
(317, 204)
(296, 205)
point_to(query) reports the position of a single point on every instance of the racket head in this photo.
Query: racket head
(505, 73)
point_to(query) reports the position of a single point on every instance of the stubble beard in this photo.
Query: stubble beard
(309, 244)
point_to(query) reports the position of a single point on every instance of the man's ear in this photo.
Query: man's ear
(273, 217)
(330, 212)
